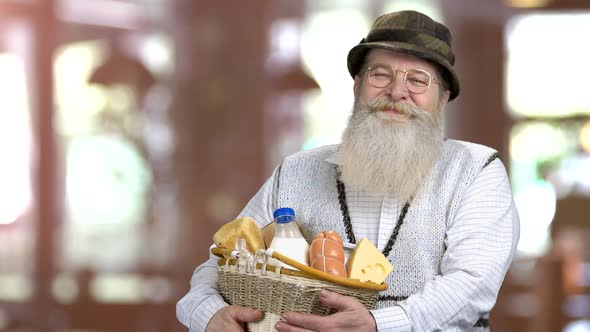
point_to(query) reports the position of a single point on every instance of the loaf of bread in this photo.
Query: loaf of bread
(327, 254)
(244, 228)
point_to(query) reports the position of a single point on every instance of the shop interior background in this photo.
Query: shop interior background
(131, 130)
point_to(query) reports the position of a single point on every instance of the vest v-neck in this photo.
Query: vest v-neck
(344, 208)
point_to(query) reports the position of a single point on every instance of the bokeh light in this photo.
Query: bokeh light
(15, 140)
(537, 84)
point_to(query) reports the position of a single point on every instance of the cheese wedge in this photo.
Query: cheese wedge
(245, 228)
(367, 263)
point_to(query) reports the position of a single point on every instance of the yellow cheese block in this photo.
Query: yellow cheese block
(367, 263)
(245, 228)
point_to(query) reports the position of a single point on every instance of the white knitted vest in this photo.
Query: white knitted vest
(307, 183)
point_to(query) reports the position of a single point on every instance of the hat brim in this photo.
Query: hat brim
(357, 54)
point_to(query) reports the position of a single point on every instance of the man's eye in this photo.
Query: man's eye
(381, 76)
(417, 81)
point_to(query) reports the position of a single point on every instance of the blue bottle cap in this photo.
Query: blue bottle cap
(283, 215)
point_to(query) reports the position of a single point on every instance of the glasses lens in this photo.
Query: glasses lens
(380, 76)
(417, 80)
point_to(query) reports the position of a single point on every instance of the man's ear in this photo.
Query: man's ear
(445, 99)
(357, 86)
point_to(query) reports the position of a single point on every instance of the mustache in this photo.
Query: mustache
(382, 103)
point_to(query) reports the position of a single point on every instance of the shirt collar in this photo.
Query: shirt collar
(333, 158)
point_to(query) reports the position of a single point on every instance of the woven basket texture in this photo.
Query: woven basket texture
(276, 293)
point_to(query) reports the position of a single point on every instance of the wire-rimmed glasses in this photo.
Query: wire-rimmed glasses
(416, 80)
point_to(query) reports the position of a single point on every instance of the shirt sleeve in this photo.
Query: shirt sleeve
(392, 319)
(480, 244)
(203, 300)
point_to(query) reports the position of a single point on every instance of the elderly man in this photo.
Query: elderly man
(441, 210)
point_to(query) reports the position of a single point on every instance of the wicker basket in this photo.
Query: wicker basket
(252, 282)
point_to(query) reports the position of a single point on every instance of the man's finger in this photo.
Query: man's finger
(306, 321)
(247, 315)
(337, 301)
(283, 326)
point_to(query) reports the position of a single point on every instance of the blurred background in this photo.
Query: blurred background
(131, 130)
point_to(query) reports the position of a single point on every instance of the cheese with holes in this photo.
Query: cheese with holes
(367, 263)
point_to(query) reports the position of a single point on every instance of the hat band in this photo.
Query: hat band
(410, 37)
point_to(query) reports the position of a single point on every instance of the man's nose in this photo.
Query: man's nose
(397, 89)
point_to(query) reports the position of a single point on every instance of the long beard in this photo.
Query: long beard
(385, 157)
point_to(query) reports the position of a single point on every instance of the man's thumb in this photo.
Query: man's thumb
(247, 315)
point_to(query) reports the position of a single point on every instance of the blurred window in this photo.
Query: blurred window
(16, 145)
(107, 176)
(547, 96)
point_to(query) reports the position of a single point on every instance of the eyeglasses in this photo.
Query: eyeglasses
(416, 80)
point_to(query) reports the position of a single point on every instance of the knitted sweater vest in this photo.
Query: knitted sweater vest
(307, 183)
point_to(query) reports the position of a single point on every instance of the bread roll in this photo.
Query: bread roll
(327, 254)
(245, 228)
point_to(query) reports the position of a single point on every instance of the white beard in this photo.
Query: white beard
(388, 157)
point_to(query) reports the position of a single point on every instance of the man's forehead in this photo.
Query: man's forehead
(385, 56)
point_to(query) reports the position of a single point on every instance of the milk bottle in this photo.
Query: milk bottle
(288, 240)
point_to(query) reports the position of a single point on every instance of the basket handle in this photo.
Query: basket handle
(306, 271)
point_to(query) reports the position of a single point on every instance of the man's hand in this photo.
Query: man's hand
(232, 319)
(350, 315)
